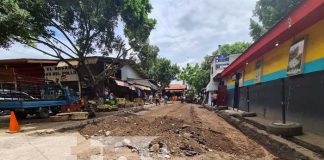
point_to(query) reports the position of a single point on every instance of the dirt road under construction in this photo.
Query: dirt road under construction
(182, 131)
(173, 131)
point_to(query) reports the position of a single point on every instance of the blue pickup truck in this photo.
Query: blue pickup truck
(24, 104)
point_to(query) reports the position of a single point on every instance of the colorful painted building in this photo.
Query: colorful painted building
(283, 72)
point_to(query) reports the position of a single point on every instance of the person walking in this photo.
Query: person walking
(58, 83)
(214, 100)
(157, 99)
(166, 99)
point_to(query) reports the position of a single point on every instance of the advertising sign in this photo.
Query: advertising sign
(241, 80)
(296, 58)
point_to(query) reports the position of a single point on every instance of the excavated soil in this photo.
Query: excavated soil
(186, 130)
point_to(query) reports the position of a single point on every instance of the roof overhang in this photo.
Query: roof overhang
(306, 14)
(24, 61)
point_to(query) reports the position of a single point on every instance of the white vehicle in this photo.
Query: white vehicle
(12, 95)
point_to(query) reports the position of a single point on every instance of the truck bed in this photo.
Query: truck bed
(23, 104)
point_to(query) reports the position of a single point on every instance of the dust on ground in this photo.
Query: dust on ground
(189, 132)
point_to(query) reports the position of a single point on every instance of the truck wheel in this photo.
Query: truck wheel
(20, 115)
(55, 110)
(43, 113)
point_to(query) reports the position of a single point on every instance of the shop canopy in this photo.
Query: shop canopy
(176, 87)
(131, 86)
(212, 86)
(143, 82)
(122, 83)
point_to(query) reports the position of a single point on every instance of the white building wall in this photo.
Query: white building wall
(128, 72)
(214, 72)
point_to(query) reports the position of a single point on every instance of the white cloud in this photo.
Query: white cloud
(187, 30)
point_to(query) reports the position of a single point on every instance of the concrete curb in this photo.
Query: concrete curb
(278, 146)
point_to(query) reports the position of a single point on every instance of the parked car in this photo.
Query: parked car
(12, 95)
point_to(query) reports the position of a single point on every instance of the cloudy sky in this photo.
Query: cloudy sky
(186, 30)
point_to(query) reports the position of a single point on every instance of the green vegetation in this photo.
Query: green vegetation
(235, 48)
(269, 13)
(163, 71)
(195, 76)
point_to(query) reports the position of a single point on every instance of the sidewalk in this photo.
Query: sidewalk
(308, 140)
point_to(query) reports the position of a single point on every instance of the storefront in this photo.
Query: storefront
(282, 73)
(175, 91)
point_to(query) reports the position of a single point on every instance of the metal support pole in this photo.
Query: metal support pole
(248, 98)
(283, 104)
(236, 91)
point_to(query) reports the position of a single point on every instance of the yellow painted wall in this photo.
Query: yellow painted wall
(277, 59)
(249, 71)
(229, 81)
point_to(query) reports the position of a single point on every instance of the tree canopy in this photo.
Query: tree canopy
(75, 29)
(269, 13)
(148, 56)
(163, 71)
(234, 48)
(195, 76)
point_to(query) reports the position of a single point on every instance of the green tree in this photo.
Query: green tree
(163, 71)
(205, 65)
(269, 13)
(75, 29)
(195, 76)
(148, 56)
(237, 47)
(203, 70)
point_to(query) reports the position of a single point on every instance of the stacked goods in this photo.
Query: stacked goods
(121, 102)
(79, 115)
(111, 102)
(139, 101)
(58, 118)
(106, 108)
(130, 104)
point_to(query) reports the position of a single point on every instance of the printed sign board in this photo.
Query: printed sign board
(64, 73)
(221, 61)
(222, 58)
(296, 58)
(221, 66)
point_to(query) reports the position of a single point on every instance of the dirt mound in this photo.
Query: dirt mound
(182, 139)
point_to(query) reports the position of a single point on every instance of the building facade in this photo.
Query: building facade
(282, 74)
(217, 65)
(30, 75)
